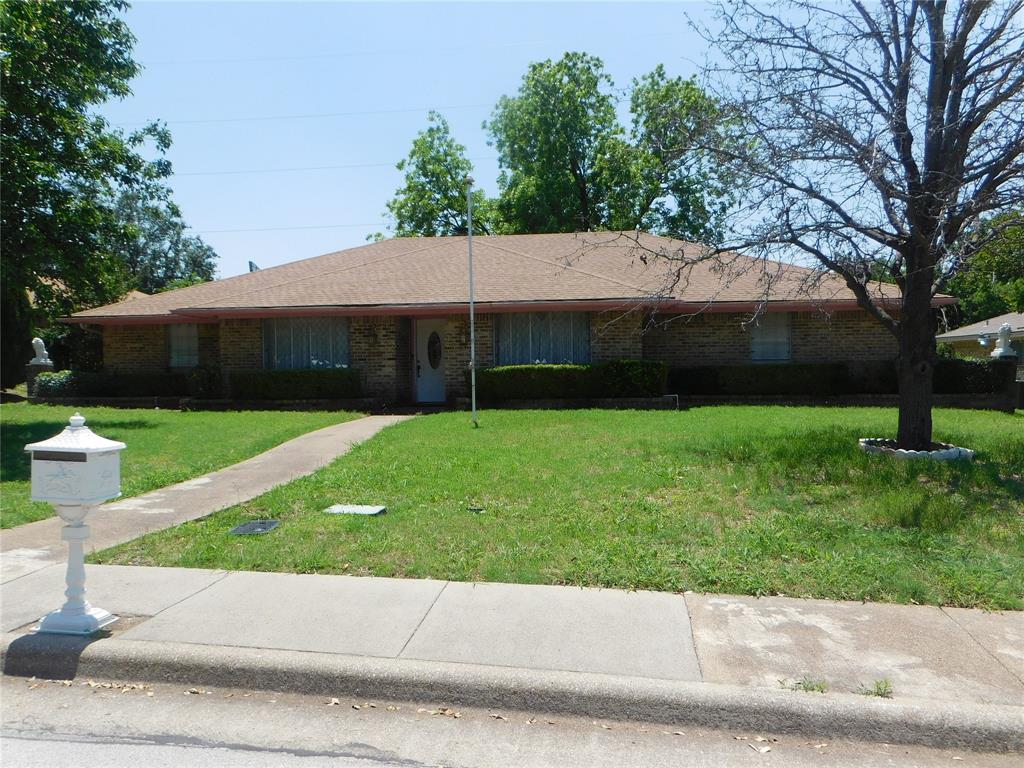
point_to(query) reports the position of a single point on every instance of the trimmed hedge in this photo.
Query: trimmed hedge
(94, 384)
(619, 378)
(876, 377)
(327, 384)
(954, 377)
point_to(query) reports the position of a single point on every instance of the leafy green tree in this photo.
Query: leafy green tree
(550, 138)
(663, 180)
(63, 167)
(159, 254)
(993, 282)
(568, 165)
(432, 201)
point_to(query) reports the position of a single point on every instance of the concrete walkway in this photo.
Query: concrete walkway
(32, 547)
(595, 652)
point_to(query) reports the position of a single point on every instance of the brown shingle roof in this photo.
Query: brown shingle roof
(606, 267)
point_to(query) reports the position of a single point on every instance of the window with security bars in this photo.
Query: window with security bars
(305, 342)
(770, 338)
(542, 337)
(183, 345)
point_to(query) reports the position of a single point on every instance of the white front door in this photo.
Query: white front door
(430, 361)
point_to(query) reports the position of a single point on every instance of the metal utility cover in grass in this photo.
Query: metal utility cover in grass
(254, 527)
(355, 509)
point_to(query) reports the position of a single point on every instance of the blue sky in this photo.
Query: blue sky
(352, 83)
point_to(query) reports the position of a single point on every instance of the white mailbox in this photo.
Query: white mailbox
(76, 467)
(75, 471)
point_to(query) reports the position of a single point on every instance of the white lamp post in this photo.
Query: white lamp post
(75, 471)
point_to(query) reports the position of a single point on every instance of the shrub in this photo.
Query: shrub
(761, 379)
(629, 378)
(532, 382)
(94, 384)
(205, 382)
(870, 377)
(960, 376)
(327, 384)
(619, 378)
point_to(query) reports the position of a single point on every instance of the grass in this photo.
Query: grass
(164, 447)
(805, 684)
(741, 500)
(881, 688)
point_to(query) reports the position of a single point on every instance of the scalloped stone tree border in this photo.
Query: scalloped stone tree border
(939, 452)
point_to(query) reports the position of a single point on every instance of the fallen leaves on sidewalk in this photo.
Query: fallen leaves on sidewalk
(443, 711)
(197, 692)
(122, 687)
(761, 750)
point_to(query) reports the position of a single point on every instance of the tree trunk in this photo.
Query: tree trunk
(16, 333)
(916, 364)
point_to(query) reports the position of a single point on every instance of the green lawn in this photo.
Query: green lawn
(748, 500)
(164, 447)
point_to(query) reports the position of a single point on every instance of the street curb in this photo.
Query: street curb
(997, 728)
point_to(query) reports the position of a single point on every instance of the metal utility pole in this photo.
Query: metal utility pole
(472, 309)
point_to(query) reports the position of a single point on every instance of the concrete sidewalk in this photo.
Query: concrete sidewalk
(638, 654)
(32, 547)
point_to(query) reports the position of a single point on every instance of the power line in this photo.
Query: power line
(283, 229)
(300, 168)
(343, 54)
(407, 50)
(311, 116)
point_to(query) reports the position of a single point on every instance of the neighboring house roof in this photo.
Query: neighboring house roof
(424, 275)
(989, 327)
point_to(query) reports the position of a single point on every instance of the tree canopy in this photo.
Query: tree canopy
(63, 228)
(992, 283)
(567, 164)
(159, 253)
(432, 201)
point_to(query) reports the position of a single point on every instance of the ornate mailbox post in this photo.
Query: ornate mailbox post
(75, 471)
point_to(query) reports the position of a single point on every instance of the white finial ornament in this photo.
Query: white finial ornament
(1003, 347)
(42, 356)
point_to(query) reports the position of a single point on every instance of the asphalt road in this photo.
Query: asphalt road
(104, 724)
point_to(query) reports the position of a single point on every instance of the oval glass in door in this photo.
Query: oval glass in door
(434, 350)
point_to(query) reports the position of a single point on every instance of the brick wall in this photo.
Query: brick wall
(404, 360)
(616, 335)
(704, 339)
(456, 351)
(209, 344)
(373, 349)
(717, 338)
(241, 345)
(840, 337)
(972, 349)
(135, 348)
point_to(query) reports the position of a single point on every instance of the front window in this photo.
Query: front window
(543, 337)
(305, 342)
(183, 345)
(770, 338)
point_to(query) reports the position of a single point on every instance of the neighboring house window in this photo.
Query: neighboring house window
(542, 337)
(305, 342)
(769, 340)
(183, 342)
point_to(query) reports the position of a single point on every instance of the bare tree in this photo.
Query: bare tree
(877, 137)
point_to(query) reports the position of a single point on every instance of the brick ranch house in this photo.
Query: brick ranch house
(397, 311)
